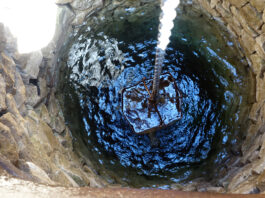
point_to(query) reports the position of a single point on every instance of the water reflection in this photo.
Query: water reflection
(100, 65)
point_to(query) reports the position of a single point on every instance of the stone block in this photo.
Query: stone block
(33, 64)
(44, 114)
(62, 177)
(57, 124)
(82, 5)
(12, 108)
(263, 16)
(2, 37)
(257, 63)
(80, 17)
(250, 30)
(32, 95)
(260, 88)
(8, 146)
(242, 22)
(261, 42)
(232, 31)
(49, 136)
(7, 61)
(41, 135)
(214, 3)
(224, 13)
(9, 120)
(258, 4)
(226, 5)
(53, 105)
(3, 106)
(238, 3)
(36, 93)
(61, 2)
(20, 96)
(206, 5)
(39, 173)
(248, 42)
(7, 69)
(235, 25)
(263, 28)
(12, 170)
(251, 16)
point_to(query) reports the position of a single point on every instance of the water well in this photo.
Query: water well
(60, 107)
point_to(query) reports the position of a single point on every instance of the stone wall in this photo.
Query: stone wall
(245, 20)
(35, 143)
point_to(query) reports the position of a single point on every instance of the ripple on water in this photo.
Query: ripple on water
(101, 63)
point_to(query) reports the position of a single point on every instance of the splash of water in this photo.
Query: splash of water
(166, 24)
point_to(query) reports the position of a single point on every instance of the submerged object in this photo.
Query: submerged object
(146, 115)
(147, 112)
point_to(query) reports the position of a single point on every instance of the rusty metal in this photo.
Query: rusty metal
(160, 54)
(146, 115)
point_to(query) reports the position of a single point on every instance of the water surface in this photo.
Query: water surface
(108, 55)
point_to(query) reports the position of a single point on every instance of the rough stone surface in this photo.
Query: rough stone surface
(261, 42)
(248, 40)
(222, 11)
(251, 16)
(7, 69)
(44, 114)
(2, 38)
(83, 13)
(214, 3)
(29, 147)
(33, 98)
(82, 5)
(238, 3)
(246, 22)
(33, 135)
(2, 94)
(33, 64)
(8, 146)
(9, 120)
(38, 172)
(257, 63)
(61, 2)
(20, 96)
(258, 4)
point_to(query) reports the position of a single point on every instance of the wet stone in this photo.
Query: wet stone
(145, 116)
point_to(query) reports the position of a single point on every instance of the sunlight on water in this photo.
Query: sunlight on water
(166, 22)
